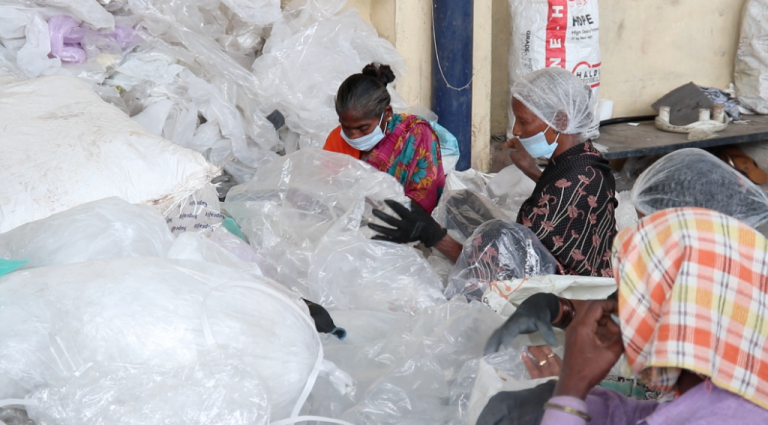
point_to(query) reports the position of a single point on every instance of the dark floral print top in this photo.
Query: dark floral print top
(572, 210)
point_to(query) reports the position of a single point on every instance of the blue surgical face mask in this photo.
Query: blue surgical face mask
(537, 145)
(367, 142)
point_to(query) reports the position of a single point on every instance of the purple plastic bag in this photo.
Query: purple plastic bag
(65, 44)
(72, 43)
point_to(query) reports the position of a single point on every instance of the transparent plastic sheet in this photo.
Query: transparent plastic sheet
(15, 416)
(308, 55)
(696, 178)
(124, 341)
(405, 375)
(509, 188)
(293, 202)
(498, 250)
(109, 228)
(463, 211)
(352, 272)
(626, 214)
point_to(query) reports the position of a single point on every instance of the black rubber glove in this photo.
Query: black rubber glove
(524, 407)
(323, 321)
(414, 225)
(534, 314)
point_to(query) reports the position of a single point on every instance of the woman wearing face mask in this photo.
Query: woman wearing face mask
(571, 209)
(405, 146)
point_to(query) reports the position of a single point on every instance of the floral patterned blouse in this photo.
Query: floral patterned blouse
(572, 210)
(410, 152)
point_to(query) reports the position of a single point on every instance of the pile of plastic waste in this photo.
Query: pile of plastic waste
(236, 80)
(194, 313)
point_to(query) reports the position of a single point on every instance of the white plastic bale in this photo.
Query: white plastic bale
(352, 272)
(73, 148)
(696, 178)
(293, 202)
(498, 250)
(113, 341)
(310, 52)
(108, 228)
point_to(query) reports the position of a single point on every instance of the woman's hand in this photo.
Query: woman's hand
(522, 159)
(592, 346)
(541, 362)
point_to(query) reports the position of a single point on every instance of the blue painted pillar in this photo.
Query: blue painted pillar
(452, 72)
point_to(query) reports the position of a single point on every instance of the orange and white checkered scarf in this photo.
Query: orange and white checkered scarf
(693, 294)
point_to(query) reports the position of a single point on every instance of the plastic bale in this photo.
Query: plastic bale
(108, 228)
(496, 251)
(293, 202)
(352, 272)
(112, 341)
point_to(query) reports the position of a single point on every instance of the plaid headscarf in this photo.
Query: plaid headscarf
(693, 294)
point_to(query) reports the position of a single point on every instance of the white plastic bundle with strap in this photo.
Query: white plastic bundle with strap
(151, 340)
(63, 146)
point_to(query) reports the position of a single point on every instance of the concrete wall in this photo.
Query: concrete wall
(649, 47)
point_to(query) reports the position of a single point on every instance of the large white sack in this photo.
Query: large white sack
(750, 75)
(124, 341)
(63, 146)
(293, 202)
(556, 33)
(107, 228)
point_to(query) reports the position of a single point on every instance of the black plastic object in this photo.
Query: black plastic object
(525, 407)
(623, 120)
(323, 321)
(277, 119)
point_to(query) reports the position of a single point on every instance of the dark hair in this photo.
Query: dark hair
(366, 93)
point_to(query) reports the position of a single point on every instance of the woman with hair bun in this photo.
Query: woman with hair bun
(405, 146)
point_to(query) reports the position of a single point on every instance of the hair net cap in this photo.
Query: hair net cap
(696, 178)
(558, 98)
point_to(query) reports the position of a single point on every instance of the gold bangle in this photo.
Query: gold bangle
(567, 409)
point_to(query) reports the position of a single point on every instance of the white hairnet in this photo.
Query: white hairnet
(696, 178)
(558, 98)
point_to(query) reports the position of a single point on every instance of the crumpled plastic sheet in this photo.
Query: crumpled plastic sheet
(352, 272)
(148, 340)
(108, 228)
(295, 201)
(462, 211)
(306, 58)
(509, 189)
(498, 250)
(404, 370)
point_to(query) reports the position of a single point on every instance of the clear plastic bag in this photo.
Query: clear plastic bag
(498, 250)
(509, 189)
(308, 55)
(149, 340)
(405, 376)
(293, 202)
(696, 178)
(352, 272)
(462, 211)
(109, 228)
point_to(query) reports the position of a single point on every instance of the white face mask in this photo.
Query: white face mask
(367, 142)
(537, 145)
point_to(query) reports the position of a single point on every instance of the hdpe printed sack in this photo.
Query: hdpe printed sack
(561, 33)
(750, 75)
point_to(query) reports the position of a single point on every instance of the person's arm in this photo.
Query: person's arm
(592, 346)
(449, 247)
(522, 159)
